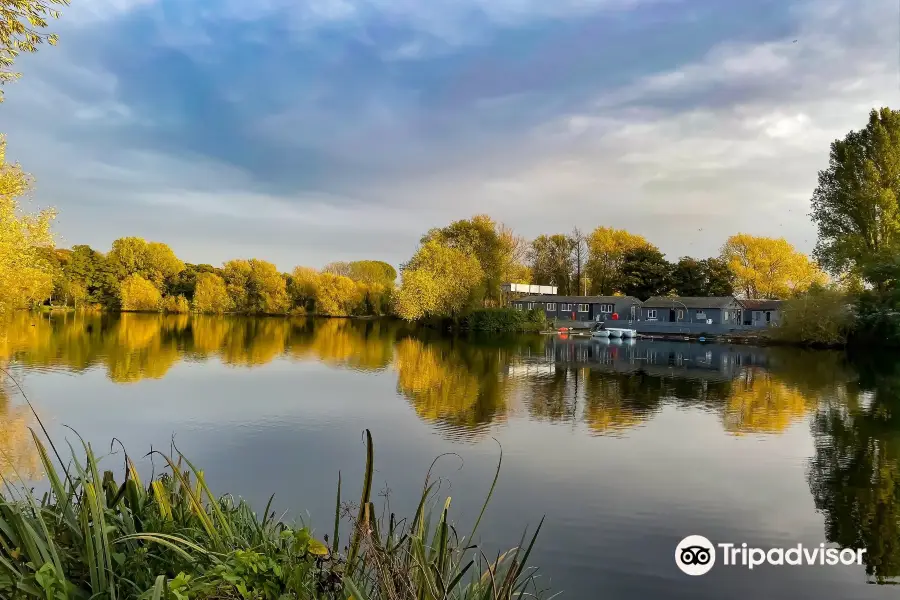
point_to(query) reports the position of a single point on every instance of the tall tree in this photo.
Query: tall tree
(479, 237)
(707, 277)
(606, 251)
(855, 205)
(769, 267)
(645, 273)
(551, 261)
(256, 286)
(579, 259)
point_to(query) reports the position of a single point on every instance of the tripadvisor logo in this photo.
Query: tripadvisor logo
(696, 555)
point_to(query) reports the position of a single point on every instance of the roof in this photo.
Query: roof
(578, 299)
(696, 302)
(763, 304)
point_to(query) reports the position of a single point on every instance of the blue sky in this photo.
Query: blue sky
(305, 132)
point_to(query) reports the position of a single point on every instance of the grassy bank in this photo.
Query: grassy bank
(504, 320)
(91, 536)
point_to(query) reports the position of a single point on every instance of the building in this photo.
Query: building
(716, 310)
(581, 308)
(762, 313)
(528, 288)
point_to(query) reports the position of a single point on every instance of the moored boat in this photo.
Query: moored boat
(622, 332)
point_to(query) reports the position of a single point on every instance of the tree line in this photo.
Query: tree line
(137, 275)
(462, 266)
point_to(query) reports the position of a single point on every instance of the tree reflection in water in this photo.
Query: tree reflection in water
(464, 386)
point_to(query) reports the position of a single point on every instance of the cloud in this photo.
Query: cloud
(345, 128)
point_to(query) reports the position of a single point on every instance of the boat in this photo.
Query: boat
(600, 333)
(622, 332)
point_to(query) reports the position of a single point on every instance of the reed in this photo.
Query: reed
(93, 537)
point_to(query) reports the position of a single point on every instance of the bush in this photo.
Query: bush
(505, 319)
(821, 317)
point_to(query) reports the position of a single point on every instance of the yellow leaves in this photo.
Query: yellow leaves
(256, 286)
(769, 267)
(317, 548)
(136, 293)
(26, 275)
(211, 295)
(762, 403)
(606, 249)
(337, 295)
(438, 281)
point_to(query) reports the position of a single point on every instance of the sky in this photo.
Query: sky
(304, 132)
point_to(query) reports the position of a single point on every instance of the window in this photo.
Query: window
(701, 315)
(551, 307)
(584, 308)
(768, 317)
(565, 307)
(530, 305)
(606, 308)
(651, 313)
(680, 314)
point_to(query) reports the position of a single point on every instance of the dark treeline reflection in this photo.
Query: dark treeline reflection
(464, 386)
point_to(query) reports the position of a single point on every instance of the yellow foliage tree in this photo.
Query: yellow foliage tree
(337, 295)
(304, 288)
(606, 250)
(438, 282)
(175, 304)
(211, 295)
(256, 286)
(136, 293)
(26, 274)
(769, 267)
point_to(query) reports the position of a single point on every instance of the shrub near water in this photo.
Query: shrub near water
(505, 319)
(819, 317)
(92, 537)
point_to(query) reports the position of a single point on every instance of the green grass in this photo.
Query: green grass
(92, 537)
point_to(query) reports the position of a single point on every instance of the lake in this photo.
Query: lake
(626, 448)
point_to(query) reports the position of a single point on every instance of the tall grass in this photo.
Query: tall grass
(92, 537)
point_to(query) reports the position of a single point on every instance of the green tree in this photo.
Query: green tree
(20, 25)
(90, 270)
(154, 261)
(210, 294)
(439, 281)
(645, 273)
(855, 205)
(707, 277)
(551, 261)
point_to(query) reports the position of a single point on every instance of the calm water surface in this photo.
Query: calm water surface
(626, 448)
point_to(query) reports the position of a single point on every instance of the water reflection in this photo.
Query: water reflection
(465, 387)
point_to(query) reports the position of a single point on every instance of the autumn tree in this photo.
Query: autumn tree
(708, 277)
(26, 273)
(151, 260)
(303, 285)
(551, 262)
(855, 205)
(137, 293)
(606, 251)
(439, 281)
(337, 295)
(256, 286)
(21, 22)
(480, 237)
(769, 267)
(211, 295)
(644, 273)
